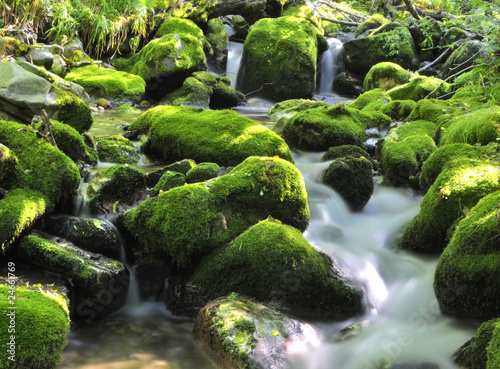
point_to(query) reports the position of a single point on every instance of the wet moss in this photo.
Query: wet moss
(167, 181)
(177, 25)
(457, 189)
(344, 151)
(41, 326)
(274, 263)
(386, 75)
(398, 109)
(117, 149)
(73, 111)
(482, 350)
(371, 100)
(290, 107)
(202, 172)
(420, 87)
(8, 167)
(375, 21)
(478, 127)
(436, 111)
(216, 35)
(108, 83)
(466, 279)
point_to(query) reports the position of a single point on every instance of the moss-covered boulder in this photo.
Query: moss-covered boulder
(274, 264)
(481, 85)
(321, 128)
(44, 177)
(435, 110)
(114, 187)
(186, 222)
(371, 100)
(178, 25)
(352, 178)
(483, 350)
(100, 284)
(404, 150)
(182, 166)
(395, 46)
(345, 151)
(398, 109)
(205, 90)
(117, 149)
(371, 23)
(202, 172)
(218, 38)
(456, 190)
(221, 137)
(90, 234)
(427, 33)
(42, 323)
(386, 75)
(478, 127)
(463, 57)
(466, 281)
(24, 94)
(279, 58)
(108, 83)
(167, 181)
(290, 107)
(420, 87)
(165, 62)
(237, 332)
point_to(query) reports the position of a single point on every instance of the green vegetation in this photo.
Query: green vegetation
(117, 149)
(167, 181)
(290, 107)
(386, 75)
(420, 87)
(202, 172)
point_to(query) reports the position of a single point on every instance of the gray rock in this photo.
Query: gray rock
(41, 57)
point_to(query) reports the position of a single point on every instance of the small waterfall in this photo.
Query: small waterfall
(133, 295)
(332, 63)
(234, 53)
(81, 206)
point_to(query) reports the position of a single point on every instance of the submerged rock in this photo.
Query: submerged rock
(273, 263)
(238, 333)
(117, 149)
(467, 279)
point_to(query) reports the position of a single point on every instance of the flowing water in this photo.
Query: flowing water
(234, 53)
(332, 63)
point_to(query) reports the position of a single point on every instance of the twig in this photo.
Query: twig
(459, 65)
(44, 131)
(435, 61)
(453, 75)
(341, 10)
(339, 21)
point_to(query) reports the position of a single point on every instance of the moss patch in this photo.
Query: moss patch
(167, 181)
(386, 75)
(371, 100)
(420, 87)
(73, 111)
(398, 109)
(290, 107)
(117, 149)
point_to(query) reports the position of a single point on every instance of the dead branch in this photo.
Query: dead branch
(345, 23)
(340, 9)
(450, 77)
(435, 61)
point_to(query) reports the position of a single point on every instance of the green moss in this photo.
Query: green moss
(344, 151)
(73, 111)
(372, 22)
(479, 86)
(320, 128)
(217, 37)
(404, 150)
(438, 160)
(202, 172)
(398, 109)
(221, 137)
(371, 100)
(108, 83)
(290, 107)
(279, 58)
(177, 25)
(435, 110)
(304, 11)
(8, 167)
(457, 189)
(167, 181)
(18, 211)
(386, 75)
(273, 262)
(466, 280)
(41, 326)
(420, 87)
(117, 149)
(478, 127)
(127, 109)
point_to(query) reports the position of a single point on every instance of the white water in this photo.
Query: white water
(332, 63)
(234, 53)
(406, 324)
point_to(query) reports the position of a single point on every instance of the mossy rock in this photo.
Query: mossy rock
(398, 109)
(42, 325)
(117, 149)
(115, 186)
(177, 25)
(352, 178)
(100, 283)
(167, 181)
(478, 127)
(466, 281)
(236, 332)
(435, 110)
(478, 86)
(290, 107)
(395, 46)
(419, 88)
(437, 161)
(202, 172)
(274, 264)
(483, 350)
(304, 11)
(279, 59)
(463, 57)
(182, 166)
(205, 90)
(404, 150)
(371, 100)
(321, 128)
(70, 142)
(8, 167)
(344, 151)
(386, 75)
(186, 222)
(218, 38)
(221, 137)
(427, 33)
(453, 34)
(108, 83)
(457, 189)
(373, 22)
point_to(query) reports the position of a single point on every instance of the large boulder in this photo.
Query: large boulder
(41, 321)
(479, 127)
(117, 149)
(467, 279)
(274, 264)
(218, 38)
(189, 221)
(386, 75)
(24, 94)
(222, 137)
(236, 332)
(420, 87)
(396, 45)
(463, 57)
(279, 58)
(100, 283)
(482, 350)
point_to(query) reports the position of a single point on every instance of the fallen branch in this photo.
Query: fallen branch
(345, 23)
(340, 9)
(438, 14)
(435, 61)
(450, 77)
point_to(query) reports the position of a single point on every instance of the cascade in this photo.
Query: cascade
(234, 53)
(332, 63)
